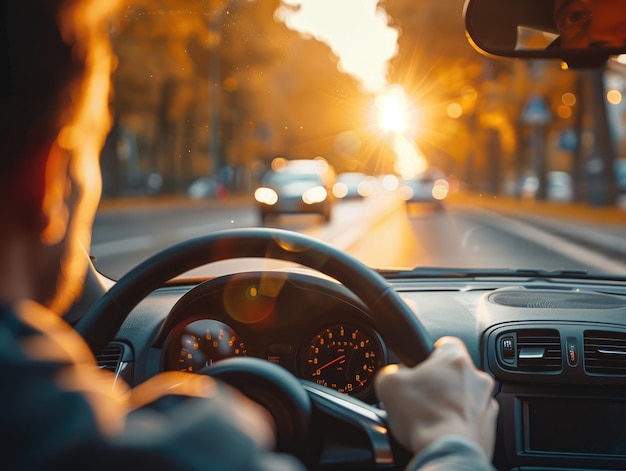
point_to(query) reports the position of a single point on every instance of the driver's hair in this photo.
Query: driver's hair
(45, 48)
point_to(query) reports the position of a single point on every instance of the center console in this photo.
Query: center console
(562, 395)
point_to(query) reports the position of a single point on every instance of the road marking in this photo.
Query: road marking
(356, 223)
(587, 257)
(609, 241)
(204, 229)
(352, 225)
(132, 244)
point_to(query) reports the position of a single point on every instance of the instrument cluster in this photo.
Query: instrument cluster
(329, 340)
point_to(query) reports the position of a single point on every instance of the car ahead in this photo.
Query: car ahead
(353, 185)
(428, 187)
(293, 191)
(536, 293)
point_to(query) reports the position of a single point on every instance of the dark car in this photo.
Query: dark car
(292, 192)
(353, 185)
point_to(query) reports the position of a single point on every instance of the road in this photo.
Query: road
(380, 231)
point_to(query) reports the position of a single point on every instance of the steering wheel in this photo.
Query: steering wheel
(393, 319)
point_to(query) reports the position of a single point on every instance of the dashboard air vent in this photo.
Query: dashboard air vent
(545, 299)
(605, 352)
(539, 350)
(109, 357)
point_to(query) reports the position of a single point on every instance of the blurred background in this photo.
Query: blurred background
(211, 95)
(216, 104)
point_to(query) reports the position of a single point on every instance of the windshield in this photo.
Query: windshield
(456, 160)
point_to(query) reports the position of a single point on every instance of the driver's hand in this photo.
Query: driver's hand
(444, 395)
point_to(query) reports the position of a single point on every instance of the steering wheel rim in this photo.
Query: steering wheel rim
(395, 321)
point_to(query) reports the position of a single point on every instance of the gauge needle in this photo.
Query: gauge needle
(318, 371)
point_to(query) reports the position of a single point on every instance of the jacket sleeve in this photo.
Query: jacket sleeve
(58, 411)
(196, 434)
(451, 453)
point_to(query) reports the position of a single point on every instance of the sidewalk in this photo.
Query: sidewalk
(601, 228)
(171, 201)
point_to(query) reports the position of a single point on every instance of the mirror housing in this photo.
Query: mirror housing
(536, 29)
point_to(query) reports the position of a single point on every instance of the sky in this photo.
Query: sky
(357, 31)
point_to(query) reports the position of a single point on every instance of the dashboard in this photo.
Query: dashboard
(557, 348)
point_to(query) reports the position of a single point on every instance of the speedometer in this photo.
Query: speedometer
(201, 343)
(343, 357)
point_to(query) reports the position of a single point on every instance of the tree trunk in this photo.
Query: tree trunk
(578, 161)
(602, 191)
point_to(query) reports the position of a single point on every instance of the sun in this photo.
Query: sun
(392, 106)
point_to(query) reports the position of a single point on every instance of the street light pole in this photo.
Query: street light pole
(215, 88)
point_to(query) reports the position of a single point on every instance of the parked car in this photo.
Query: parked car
(204, 187)
(559, 187)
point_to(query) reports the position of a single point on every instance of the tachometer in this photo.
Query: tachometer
(343, 357)
(200, 343)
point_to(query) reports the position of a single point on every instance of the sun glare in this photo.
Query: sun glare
(392, 106)
(409, 159)
(392, 116)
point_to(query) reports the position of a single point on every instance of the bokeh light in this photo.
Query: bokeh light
(440, 189)
(614, 97)
(279, 163)
(568, 99)
(564, 111)
(390, 182)
(454, 110)
(314, 195)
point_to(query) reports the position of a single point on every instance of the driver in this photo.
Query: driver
(56, 410)
(590, 23)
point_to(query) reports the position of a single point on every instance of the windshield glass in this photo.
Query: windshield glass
(461, 161)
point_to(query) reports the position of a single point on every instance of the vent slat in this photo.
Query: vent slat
(549, 340)
(599, 360)
(109, 357)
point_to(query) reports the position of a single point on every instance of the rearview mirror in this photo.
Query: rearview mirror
(582, 33)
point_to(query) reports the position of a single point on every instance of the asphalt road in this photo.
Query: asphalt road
(380, 231)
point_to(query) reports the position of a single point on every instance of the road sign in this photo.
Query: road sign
(536, 111)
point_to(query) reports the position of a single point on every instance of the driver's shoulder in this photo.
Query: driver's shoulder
(39, 335)
(51, 375)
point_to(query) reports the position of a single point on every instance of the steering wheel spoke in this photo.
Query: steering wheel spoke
(351, 417)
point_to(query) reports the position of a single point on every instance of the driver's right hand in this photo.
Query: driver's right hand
(446, 395)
